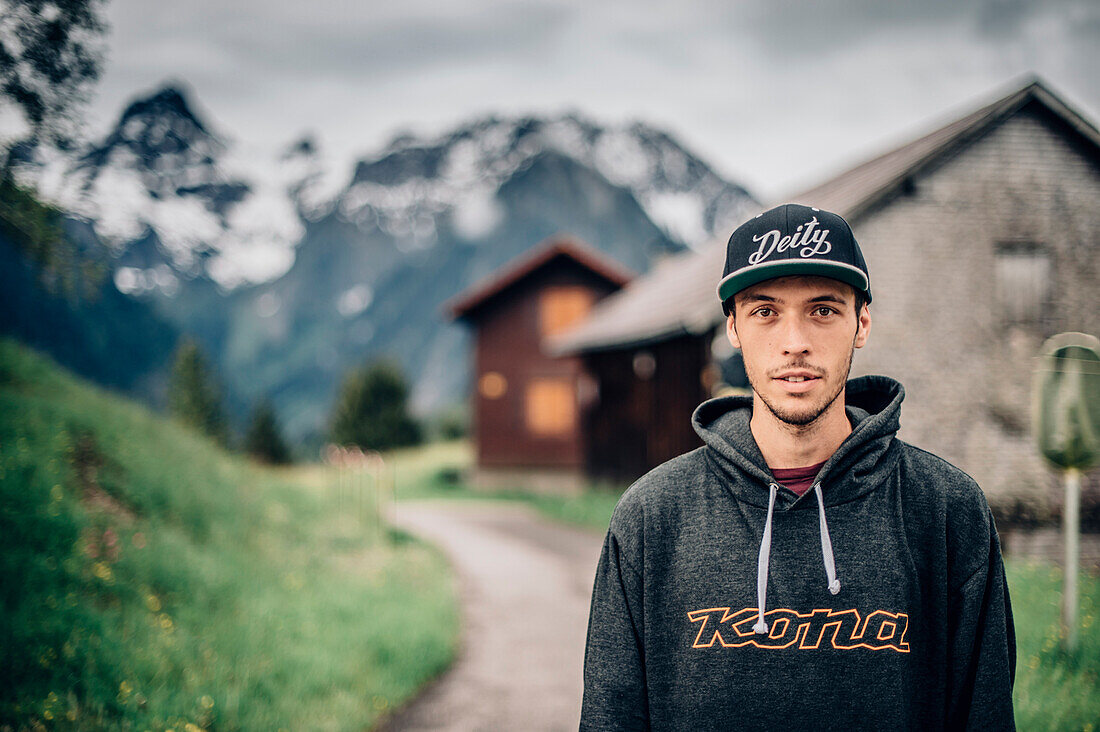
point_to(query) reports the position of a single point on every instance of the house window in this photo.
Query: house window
(562, 307)
(551, 406)
(1022, 282)
(644, 365)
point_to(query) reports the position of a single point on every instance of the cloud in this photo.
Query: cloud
(323, 38)
(402, 46)
(771, 91)
(784, 27)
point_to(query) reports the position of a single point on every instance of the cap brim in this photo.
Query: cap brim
(734, 282)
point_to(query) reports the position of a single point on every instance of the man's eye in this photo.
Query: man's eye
(824, 310)
(764, 312)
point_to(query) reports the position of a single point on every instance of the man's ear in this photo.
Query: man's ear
(731, 331)
(863, 326)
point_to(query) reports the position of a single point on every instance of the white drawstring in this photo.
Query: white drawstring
(826, 543)
(764, 558)
(762, 563)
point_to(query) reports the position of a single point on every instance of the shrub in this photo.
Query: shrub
(371, 410)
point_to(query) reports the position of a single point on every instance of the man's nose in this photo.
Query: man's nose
(795, 337)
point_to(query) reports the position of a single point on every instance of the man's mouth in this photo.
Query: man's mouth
(796, 377)
(797, 380)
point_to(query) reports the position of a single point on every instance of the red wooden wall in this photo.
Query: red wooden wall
(509, 343)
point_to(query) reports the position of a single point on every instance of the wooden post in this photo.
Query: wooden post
(1071, 532)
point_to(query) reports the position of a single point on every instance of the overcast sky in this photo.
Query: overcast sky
(774, 94)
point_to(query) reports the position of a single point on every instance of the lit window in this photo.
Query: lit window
(492, 385)
(562, 307)
(644, 365)
(551, 406)
(1022, 282)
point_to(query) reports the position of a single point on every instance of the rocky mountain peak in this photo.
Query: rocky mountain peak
(159, 132)
(163, 179)
(168, 101)
(677, 189)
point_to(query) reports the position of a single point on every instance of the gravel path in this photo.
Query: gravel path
(525, 584)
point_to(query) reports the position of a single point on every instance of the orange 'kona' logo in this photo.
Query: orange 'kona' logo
(841, 629)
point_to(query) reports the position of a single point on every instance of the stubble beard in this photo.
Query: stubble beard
(811, 412)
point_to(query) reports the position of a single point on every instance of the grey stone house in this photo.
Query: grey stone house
(982, 238)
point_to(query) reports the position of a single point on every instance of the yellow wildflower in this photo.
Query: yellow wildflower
(103, 571)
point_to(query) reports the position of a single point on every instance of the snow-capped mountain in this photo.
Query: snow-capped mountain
(415, 179)
(215, 207)
(290, 280)
(219, 208)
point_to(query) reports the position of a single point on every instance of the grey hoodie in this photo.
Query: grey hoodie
(918, 634)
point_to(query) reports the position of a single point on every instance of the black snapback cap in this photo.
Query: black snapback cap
(792, 240)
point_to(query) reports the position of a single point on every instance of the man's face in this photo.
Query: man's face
(797, 335)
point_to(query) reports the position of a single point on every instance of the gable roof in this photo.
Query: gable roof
(662, 304)
(854, 191)
(679, 297)
(466, 302)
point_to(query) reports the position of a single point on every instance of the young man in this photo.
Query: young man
(805, 569)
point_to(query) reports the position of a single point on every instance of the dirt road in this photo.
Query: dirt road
(525, 585)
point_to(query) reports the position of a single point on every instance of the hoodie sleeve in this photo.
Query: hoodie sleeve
(983, 642)
(614, 659)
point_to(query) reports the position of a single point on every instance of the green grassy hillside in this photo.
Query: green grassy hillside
(150, 581)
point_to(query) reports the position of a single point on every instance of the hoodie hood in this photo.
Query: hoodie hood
(863, 460)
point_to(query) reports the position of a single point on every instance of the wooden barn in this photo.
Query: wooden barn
(648, 351)
(527, 404)
(983, 239)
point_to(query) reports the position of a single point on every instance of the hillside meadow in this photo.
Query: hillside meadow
(150, 581)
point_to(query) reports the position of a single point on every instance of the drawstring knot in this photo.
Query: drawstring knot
(764, 558)
(826, 543)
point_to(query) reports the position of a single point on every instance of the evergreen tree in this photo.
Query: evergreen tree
(51, 53)
(193, 395)
(264, 440)
(371, 411)
(34, 226)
